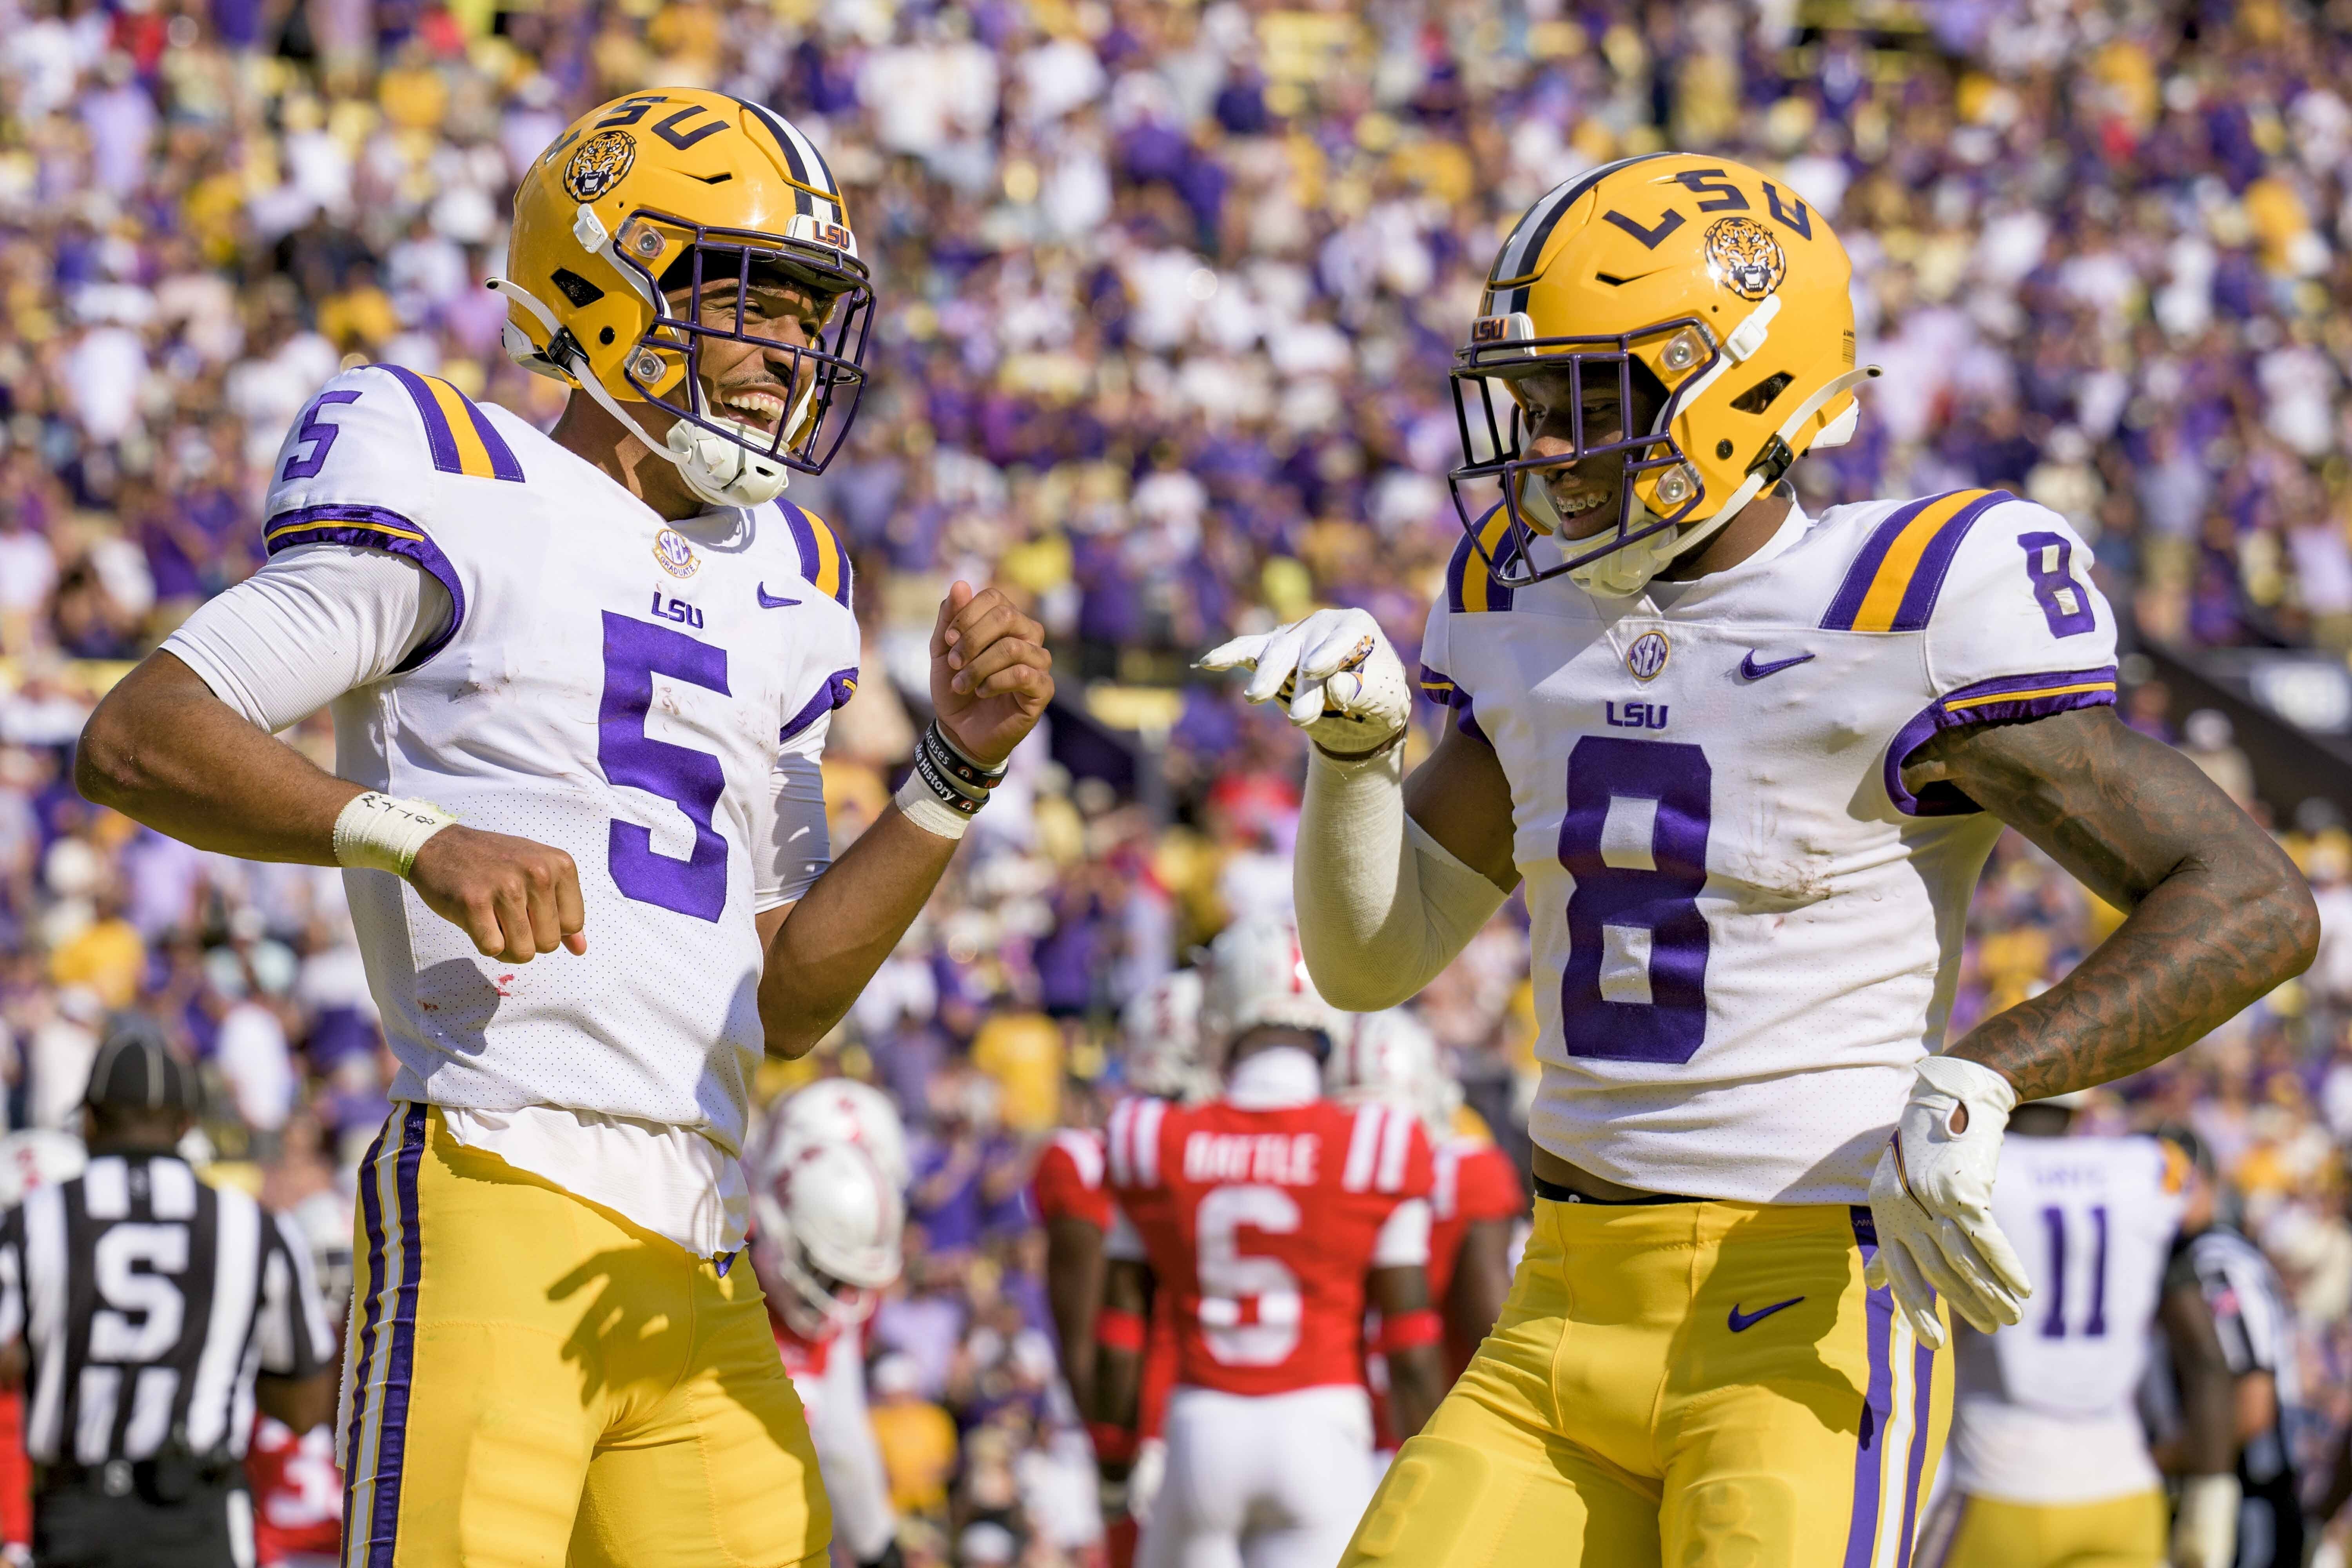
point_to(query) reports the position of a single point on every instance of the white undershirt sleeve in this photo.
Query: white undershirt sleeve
(314, 622)
(793, 844)
(1382, 906)
(1404, 1235)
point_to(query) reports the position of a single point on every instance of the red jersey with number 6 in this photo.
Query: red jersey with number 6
(1261, 1223)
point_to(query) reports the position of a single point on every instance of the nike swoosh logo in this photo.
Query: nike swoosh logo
(769, 601)
(1751, 670)
(1616, 282)
(1743, 1321)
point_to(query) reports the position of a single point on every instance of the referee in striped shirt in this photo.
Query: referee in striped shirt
(147, 1314)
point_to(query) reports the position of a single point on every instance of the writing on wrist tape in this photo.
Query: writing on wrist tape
(379, 832)
(916, 802)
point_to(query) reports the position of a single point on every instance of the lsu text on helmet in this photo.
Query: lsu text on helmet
(830, 1228)
(1159, 1039)
(665, 222)
(1692, 287)
(1392, 1058)
(838, 1111)
(1258, 979)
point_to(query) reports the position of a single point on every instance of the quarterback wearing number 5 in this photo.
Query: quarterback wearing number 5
(580, 684)
(1747, 763)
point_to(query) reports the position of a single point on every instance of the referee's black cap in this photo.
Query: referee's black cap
(137, 1071)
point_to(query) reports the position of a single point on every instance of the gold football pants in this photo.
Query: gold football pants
(531, 1382)
(1704, 1384)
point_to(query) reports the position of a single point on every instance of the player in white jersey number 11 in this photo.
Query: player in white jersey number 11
(1745, 764)
(580, 682)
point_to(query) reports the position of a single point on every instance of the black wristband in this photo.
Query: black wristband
(951, 795)
(955, 764)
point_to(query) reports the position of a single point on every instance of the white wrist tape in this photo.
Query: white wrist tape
(921, 807)
(379, 832)
(1382, 907)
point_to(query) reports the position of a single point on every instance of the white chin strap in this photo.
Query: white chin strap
(1627, 570)
(721, 472)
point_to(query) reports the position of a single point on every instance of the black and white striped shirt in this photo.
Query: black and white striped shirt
(149, 1301)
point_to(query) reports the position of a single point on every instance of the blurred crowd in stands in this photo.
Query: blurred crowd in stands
(1169, 290)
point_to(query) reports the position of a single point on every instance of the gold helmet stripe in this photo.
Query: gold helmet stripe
(1517, 265)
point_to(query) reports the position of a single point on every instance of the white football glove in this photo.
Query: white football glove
(2205, 1527)
(1151, 1469)
(1931, 1200)
(1341, 681)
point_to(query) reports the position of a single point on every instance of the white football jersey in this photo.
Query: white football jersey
(1746, 929)
(2045, 1408)
(612, 684)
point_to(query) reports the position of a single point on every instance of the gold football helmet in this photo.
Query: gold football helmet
(1717, 291)
(669, 191)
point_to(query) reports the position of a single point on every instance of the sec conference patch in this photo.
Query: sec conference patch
(602, 162)
(1647, 657)
(676, 555)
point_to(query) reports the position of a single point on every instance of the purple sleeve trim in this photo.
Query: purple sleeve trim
(2003, 700)
(837, 689)
(374, 527)
(1467, 721)
(1440, 689)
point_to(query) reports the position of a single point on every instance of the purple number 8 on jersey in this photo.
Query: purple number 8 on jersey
(1659, 900)
(2049, 563)
(635, 651)
(319, 434)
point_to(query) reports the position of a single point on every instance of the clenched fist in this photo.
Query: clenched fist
(514, 898)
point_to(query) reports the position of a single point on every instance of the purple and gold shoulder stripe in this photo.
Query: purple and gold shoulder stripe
(373, 528)
(1471, 585)
(1892, 583)
(459, 435)
(2004, 700)
(822, 561)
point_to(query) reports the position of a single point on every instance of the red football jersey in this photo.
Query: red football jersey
(1261, 1225)
(297, 1491)
(1474, 1180)
(1069, 1180)
(16, 1472)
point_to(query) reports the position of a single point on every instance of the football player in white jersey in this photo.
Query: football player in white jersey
(2050, 1465)
(579, 683)
(1747, 763)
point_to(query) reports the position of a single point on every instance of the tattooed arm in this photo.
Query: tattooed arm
(2217, 914)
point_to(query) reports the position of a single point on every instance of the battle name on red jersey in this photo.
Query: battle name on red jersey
(1069, 1180)
(1474, 1180)
(1260, 1224)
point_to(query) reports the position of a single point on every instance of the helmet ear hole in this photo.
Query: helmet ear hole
(1758, 397)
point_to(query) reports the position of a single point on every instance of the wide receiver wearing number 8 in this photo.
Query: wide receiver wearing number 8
(1747, 763)
(580, 682)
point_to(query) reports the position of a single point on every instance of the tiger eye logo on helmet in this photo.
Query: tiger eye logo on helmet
(602, 162)
(1743, 256)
